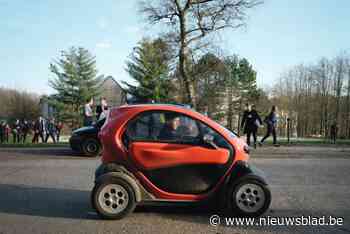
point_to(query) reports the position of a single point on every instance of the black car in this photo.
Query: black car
(85, 140)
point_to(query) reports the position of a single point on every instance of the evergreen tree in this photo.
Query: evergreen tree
(76, 81)
(247, 81)
(210, 84)
(241, 87)
(149, 67)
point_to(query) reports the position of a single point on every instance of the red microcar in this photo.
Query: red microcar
(170, 154)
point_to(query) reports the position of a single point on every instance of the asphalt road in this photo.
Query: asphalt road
(47, 191)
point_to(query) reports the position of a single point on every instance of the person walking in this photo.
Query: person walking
(334, 132)
(2, 132)
(59, 127)
(38, 129)
(88, 114)
(271, 121)
(24, 130)
(7, 132)
(16, 131)
(251, 121)
(51, 130)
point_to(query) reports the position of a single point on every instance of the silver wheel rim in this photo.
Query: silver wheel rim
(91, 147)
(113, 198)
(250, 198)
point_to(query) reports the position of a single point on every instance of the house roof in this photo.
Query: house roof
(116, 82)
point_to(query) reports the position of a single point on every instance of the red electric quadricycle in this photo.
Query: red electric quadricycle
(170, 154)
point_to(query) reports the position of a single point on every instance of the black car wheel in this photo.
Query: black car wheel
(91, 147)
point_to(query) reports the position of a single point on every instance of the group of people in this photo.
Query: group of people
(46, 128)
(251, 122)
(100, 111)
(19, 131)
(43, 128)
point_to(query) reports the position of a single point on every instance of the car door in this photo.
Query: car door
(170, 152)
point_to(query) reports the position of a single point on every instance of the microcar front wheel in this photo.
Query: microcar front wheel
(249, 198)
(113, 198)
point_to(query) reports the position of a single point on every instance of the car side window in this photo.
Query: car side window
(164, 126)
(144, 127)
(219, 140)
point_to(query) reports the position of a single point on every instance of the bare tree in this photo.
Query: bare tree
(318, 97)
(18, 104)
(347, 103)
(338, 83)
(190, 21)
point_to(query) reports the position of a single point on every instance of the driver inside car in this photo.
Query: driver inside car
(169, 130)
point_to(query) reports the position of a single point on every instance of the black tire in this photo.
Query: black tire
(233, 201)
(91, 147)
(110, 181)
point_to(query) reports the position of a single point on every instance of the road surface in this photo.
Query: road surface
(47, 191)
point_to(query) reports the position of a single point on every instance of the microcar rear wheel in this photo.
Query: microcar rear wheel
(113, 198)
(249, 198)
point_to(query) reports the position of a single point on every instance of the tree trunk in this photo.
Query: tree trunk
(190, 93)
(348, 108)
(230, 108)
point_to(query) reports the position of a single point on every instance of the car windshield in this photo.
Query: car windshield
(232, 134)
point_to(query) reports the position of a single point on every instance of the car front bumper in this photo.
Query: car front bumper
(75, 143)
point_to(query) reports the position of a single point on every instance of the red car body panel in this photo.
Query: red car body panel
(149, 156)
(115, 152)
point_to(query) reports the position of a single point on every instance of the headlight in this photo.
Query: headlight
(246, 149)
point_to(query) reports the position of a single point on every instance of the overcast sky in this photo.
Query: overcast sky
(280, 34)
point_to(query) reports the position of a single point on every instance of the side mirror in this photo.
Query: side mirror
(209, 139)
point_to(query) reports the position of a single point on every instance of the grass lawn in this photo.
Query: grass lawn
(309, 141)
(29, 144)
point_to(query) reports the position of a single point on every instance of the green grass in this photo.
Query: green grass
(29, 144)
(310, 141)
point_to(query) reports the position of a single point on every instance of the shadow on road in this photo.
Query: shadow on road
(46, 202)
(64, 203)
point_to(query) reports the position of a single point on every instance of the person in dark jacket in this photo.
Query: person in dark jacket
(24, 130)
(51, 130)
(38, 129)
(251, 121)
(334, 132)
(271, 122)
(2, 132)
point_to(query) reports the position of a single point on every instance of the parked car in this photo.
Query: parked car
(169, 154)
(85, 140)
